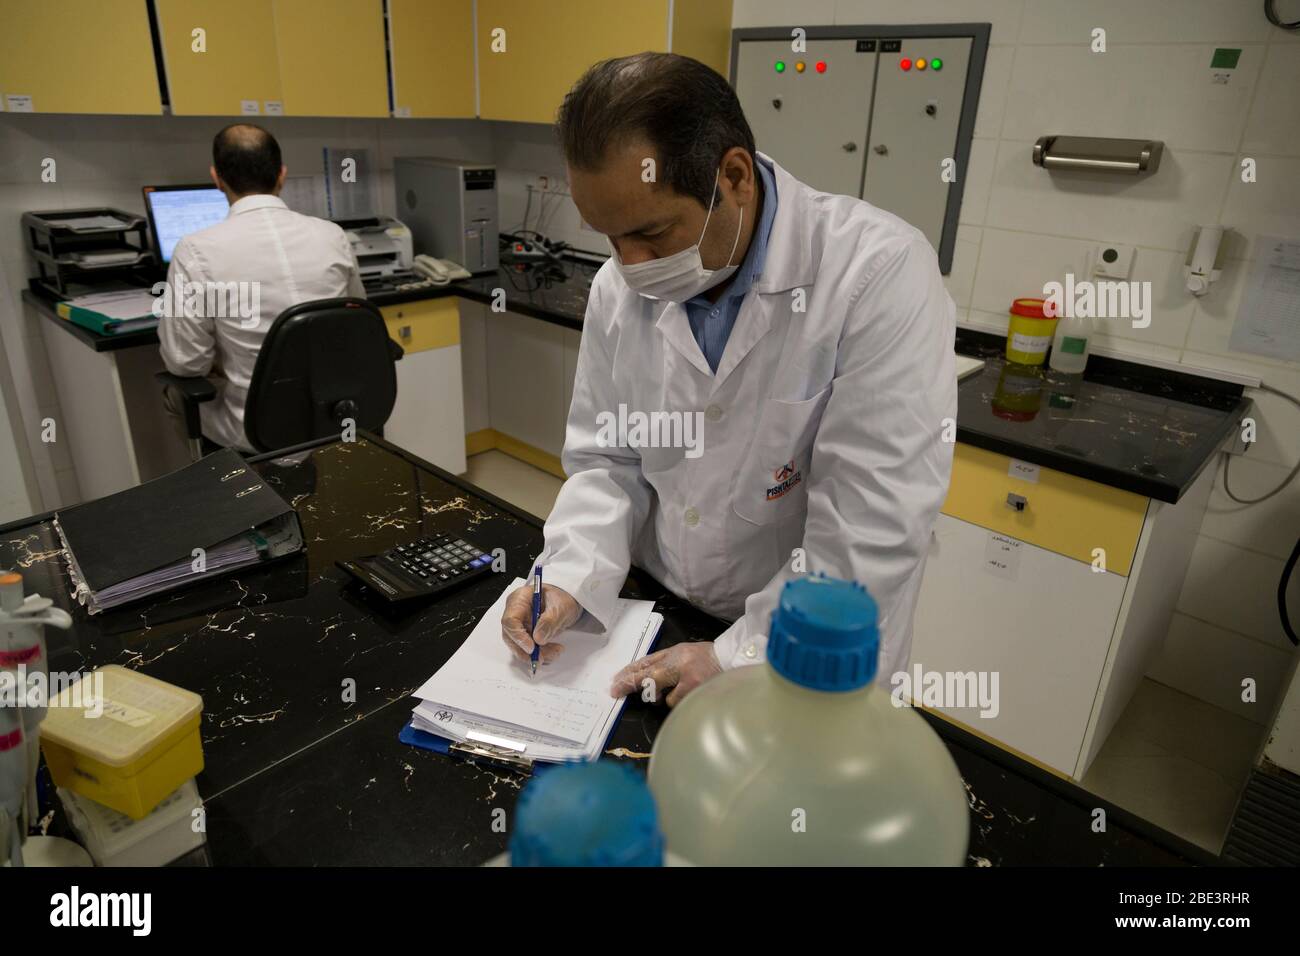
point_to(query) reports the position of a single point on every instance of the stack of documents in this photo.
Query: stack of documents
(108, 313)
(486, 695)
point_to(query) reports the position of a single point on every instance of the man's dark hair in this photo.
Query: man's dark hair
(247, 158)
(686, 111)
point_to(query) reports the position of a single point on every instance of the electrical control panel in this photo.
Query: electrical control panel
(882, 113)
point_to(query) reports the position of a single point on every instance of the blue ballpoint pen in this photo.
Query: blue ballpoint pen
(537, 612)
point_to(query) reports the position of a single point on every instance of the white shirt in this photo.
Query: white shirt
(285, 258)
(823, 430)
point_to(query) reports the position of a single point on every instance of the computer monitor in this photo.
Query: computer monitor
(176, 211)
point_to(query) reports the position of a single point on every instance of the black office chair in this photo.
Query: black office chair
(321, 364)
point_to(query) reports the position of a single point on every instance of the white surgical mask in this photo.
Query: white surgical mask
(682, 275)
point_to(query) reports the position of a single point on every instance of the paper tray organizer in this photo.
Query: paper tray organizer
(65, 252)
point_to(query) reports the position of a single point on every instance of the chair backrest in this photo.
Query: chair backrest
(320, 364)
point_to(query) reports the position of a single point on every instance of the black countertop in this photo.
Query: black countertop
(551, 291)
(295, 774)
(1143, 429)
(1130, 426)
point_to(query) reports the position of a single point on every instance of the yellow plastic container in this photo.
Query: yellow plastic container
(143, 744)
(1029, 332)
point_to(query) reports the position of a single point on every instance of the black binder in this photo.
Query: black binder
(141, 542)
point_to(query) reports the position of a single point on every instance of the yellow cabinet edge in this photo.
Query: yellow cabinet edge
(1068, 515)
(431, 324)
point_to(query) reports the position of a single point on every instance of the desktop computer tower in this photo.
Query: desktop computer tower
(451, 209)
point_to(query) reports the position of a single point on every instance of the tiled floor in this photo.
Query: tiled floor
(1172, 759)
(518, 483)
(1178, 762)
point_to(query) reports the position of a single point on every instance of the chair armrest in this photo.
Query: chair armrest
(191, 391)
(395, 350)
(195, 389)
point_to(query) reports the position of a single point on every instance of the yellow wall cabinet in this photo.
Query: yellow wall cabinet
(432, 65)
(77, 56)
(333, 60)
(530, 53)
(221, 57)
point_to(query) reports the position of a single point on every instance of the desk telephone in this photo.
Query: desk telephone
(438, 271)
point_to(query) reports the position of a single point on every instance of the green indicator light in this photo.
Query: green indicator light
(780, 66)
(936, 64)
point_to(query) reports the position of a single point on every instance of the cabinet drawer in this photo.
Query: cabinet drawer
(1062, 513)
(423, 325)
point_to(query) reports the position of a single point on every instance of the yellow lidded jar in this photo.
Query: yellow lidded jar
(1029, 332)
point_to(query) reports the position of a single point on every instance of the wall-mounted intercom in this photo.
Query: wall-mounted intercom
(885, 113)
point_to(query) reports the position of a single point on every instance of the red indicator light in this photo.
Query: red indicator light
(821, 66)
(904, 64)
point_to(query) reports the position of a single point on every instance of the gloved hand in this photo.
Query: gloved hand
(559, 612)
(683, 667)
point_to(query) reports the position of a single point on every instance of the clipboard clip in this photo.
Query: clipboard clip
(499, 756)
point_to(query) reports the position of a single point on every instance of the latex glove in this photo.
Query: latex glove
(683, 667)
(559, 613)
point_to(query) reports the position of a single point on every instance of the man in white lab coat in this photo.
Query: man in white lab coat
(801, 345)
(262, 244)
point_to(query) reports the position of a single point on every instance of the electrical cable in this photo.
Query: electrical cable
(1286, 481)
(1273, 18)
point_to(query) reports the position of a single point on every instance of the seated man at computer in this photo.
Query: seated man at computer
(261, 254)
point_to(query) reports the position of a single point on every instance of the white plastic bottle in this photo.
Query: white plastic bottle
(1072, 344)
(802, 761)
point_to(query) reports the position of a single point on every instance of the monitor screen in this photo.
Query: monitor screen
(177, 211)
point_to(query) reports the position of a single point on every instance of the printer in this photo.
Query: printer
(382, 246)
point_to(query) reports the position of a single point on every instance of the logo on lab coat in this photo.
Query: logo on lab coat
(786, 478)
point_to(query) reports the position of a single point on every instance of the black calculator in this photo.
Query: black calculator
(421, 568)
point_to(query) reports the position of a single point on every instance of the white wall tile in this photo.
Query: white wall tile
(1278, 437)
(1155, 92)
(1160, 210)
(979, 181)
(1145, 21)
(961, 279)
(993, 91)
(1004, 15)
(1235, 589)
(1270, 206)
(1272, 127)
(778, 13)
(1270, 526)
(1210, 662)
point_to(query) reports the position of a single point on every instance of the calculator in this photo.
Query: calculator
(421, 568)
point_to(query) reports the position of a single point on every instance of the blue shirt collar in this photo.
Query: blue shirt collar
(752, 266)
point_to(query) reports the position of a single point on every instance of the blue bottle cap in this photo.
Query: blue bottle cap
(824, 634)
(587, 814)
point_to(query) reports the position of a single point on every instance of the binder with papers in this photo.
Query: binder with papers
(199, 522)
(484, 702)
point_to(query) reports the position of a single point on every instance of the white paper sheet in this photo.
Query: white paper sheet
(567, 700)
(1268, 320)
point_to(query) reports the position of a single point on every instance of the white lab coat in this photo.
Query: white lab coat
(842, 405)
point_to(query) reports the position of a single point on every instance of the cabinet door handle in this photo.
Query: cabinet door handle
(1019, 502)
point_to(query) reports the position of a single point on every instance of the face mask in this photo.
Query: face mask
(682, 275)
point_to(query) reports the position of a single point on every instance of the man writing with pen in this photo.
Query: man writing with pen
(808, 334)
